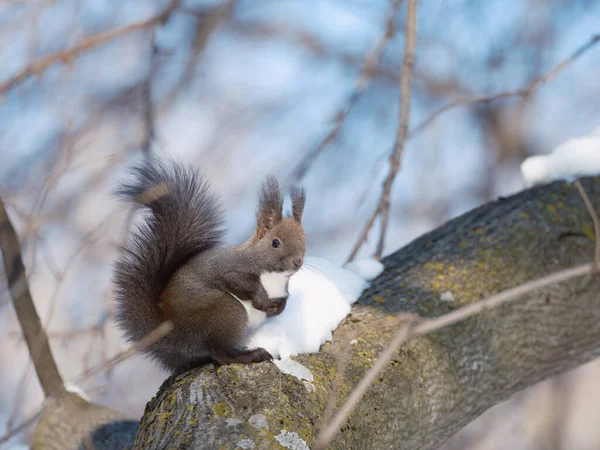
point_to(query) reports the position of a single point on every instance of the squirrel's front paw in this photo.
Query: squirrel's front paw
(275, 306)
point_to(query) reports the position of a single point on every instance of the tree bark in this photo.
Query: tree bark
(437, 383)
(68, 422)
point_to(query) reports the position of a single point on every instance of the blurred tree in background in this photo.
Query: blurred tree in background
(305, 89)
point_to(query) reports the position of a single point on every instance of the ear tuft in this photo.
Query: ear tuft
(270, 205)
(298, 196)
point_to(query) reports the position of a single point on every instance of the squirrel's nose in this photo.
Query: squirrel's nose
(298, 262)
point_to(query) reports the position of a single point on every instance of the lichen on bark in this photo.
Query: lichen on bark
(437, 383)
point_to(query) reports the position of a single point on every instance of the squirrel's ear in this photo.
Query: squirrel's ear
(270, 205)
(298, 196)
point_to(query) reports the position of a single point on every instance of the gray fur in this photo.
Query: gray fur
(298, 197)
(174, 268)
(270, 205)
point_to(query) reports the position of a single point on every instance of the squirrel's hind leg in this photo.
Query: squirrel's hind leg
(229, 327)
(236, 356)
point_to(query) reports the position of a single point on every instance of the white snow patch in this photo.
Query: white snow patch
(574, 158)
(320, 296)
(77, 390)
(294, 368)
(309, 386)
(368, 269)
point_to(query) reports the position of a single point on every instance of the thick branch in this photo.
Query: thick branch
(65, 420)
(35, 336)
(437, 383)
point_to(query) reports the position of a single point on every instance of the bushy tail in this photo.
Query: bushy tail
(185, 219)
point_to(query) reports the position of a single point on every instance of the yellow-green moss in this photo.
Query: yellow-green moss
(589, 232)
(434, 266)
(222, 409)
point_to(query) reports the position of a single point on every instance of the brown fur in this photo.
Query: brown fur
(173, 268)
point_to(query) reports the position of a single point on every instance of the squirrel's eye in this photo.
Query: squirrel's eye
(276, 243)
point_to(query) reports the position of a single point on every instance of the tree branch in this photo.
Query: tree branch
(208, 23)
(40, 65)
(595, 220)
(371, 61)
(438, 382)
(383, 207)
(66, 420)
(523, 92)
(35, 335)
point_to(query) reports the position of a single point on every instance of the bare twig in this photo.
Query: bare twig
(328, 433)
(405, 93)
(340, 372)
(33, 220)
(594, 216)
(19, 396)
(312, 45)
(60, 276)
(383, 207)
(38, 66)
(35, 335)
(148, 110)
(368, 69)
(425, 326)
(523, 92)
(159, 332)
(208, 22)
(14, 431)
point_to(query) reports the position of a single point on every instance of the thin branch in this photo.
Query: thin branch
(383, 206)
(425, 326)
(19, 396)
(159, 332)
(371, 61)
(328, 433)
(208, 22)
(405, 93)
(364, 233)
(40, 65)
(523, 92)
(14, 431)
(148, 108)
(594, 216)
(312, 45)
(340, 373)
(35, 335)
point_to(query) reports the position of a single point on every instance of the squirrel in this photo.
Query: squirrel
(174, 267)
